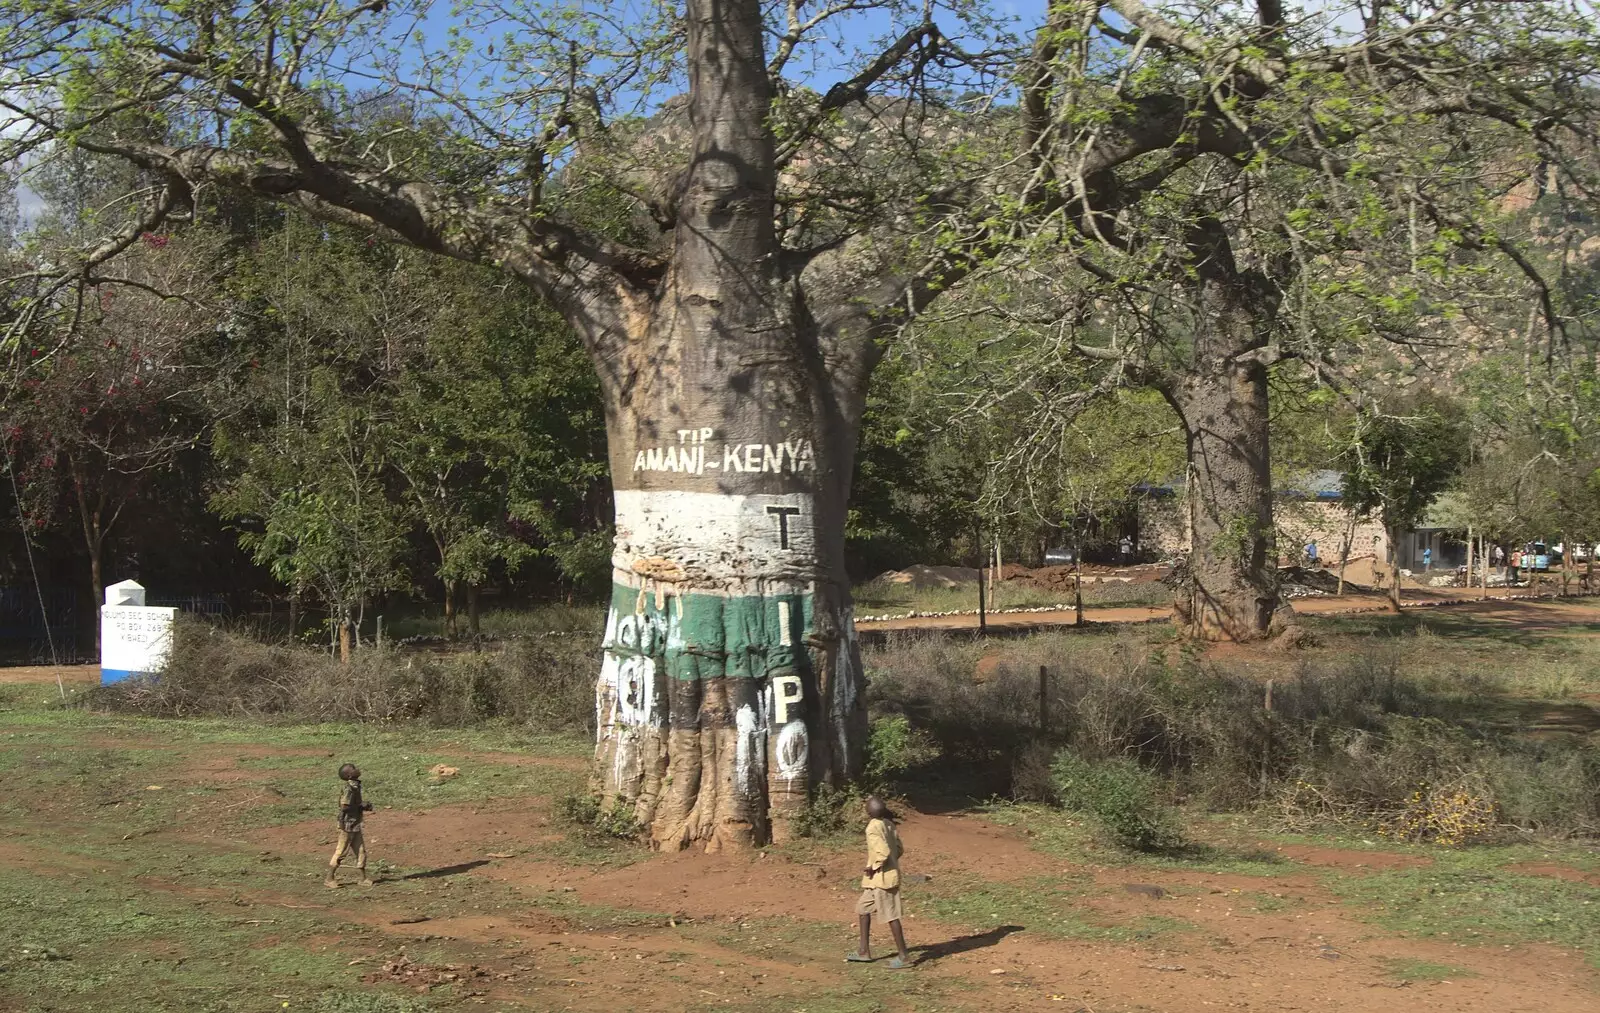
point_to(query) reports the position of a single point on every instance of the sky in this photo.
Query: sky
(819, 67)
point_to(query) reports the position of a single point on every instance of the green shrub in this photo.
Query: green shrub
(1123, 797)
(893, 748)
(587, 812)
(829, 812)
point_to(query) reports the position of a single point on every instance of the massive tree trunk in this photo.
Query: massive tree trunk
(1231, 591)
(730, 681)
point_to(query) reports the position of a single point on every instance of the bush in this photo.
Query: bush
(1123, 797)
(1031, 777)
(545, 683)
(1351, 736)
(893, 748)
(586, 811)
(829, 812)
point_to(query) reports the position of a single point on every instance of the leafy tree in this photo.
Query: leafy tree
(472, 403)
(309, 494)
(107, 394)
(1225, 188)
(1398, 463)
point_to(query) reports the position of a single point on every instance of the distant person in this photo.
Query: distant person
(1125, 549)
(352, 807)
(1516, 564)
(1427, 559)
(880, 885)
(1499, 557)
(1311, 552)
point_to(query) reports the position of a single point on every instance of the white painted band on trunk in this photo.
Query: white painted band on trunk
(719, 538)
(794, 746)
(625, 694)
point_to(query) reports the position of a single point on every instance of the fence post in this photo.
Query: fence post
(983, 619)
(1044, 700)
(379, 635)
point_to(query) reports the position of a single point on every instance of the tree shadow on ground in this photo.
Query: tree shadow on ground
(929, 952)
(447, 870)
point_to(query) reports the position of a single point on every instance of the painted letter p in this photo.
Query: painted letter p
(786, 694)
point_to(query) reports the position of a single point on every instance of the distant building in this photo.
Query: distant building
(1308, 508)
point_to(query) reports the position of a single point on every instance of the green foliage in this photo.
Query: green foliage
(394, 394)
(831, 812)
(910, 495)
(617, 822)
(894, 747)
(1125, 798)
(1398, 462)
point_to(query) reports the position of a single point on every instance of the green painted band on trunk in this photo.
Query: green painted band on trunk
(707, 636)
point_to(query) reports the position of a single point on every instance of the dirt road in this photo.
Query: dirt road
(70, 675)
(1523, 609)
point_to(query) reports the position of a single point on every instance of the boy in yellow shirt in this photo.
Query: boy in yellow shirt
(880, 885)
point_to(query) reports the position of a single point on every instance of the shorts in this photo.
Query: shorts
(350, 841)
(883, 903)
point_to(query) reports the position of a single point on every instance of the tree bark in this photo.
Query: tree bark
(1232, 590)
(1220, 394)
(1471, 554)
(1344, 549)
(730, 682)
(344, 639)
(474, 614)
(1393, 538)
(1077, 582)
(451, 629)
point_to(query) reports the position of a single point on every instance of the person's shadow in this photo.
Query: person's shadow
(929, 952)
(448, 870)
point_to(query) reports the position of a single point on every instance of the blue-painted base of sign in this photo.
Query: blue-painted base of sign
(111, 675)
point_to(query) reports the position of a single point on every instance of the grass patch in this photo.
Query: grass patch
(1052, 906)
(1064, 835)
(1409, 970)
(1468, 902)
(92, 944)
(45, 755)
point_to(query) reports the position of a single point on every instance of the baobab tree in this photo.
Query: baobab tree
(734, 354)
(1227, 188)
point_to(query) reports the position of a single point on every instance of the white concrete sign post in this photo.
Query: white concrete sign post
(135, 639)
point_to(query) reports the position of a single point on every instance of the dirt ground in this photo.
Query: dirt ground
(70, 675)
(489, 902)
(1520, 607)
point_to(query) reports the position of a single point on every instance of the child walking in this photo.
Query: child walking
(351, 809)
